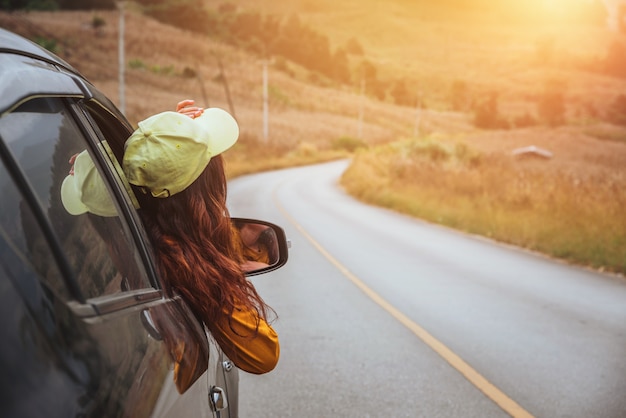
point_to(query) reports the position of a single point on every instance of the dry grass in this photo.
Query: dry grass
(575, 217)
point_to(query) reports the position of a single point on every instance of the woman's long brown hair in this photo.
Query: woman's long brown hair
(192, 236)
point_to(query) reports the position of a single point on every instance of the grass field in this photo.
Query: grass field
(576, 218)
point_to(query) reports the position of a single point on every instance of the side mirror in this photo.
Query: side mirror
(264, 245)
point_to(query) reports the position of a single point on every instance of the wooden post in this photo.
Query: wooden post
(226, 90)
(265, 103)
(122, 64)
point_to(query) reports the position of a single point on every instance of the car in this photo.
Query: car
(87, 327)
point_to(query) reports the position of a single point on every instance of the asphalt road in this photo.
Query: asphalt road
(381, 315)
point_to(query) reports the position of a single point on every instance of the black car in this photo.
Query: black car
(87, 329)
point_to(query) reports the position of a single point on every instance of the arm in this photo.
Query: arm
(253, 351)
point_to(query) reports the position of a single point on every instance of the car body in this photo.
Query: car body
(87, 329)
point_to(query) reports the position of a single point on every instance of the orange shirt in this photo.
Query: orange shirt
(253, 351)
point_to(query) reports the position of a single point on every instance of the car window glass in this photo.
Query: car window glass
(112, 126)
(23, 248)
(114, 132)
(43, 136)
(110, 122)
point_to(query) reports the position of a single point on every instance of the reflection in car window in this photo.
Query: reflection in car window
(23, 248)
(42, 137)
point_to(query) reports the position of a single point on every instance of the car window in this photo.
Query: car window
(42, 136)
(113, 128)
(110, 122)
(23, 247)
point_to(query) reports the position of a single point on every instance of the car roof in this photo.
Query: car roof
(27, 70)
(13, 43)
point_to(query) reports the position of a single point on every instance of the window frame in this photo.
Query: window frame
(82, 111)
(92, 132)
(92, 135)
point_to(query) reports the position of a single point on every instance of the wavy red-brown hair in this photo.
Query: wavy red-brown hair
(192, 237)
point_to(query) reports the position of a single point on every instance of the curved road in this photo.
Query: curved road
(382, 315)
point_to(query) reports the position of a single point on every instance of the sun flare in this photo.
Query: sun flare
(552, 10)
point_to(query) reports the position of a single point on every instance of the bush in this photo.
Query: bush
(459, 95)
(190, 14)
(615, 63)
(348, 143)
(429, 149)
(163, 70)
(28, 5)
(280, 64)
(50, 44)
(86, 4)
(487, 115)
(97, 22)
(353, 47)
(189, 73)
(551, 104)
(136, 64)
(401, 94)
(617, 111)
(525, 120)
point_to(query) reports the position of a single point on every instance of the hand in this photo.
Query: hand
(186, 107)
(72, 160)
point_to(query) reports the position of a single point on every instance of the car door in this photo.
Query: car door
(103, 340)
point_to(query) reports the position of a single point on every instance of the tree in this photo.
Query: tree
(401, 94)
(353, 47)
(340, 68)
(86, 4)
(368, 71)
(615, 63)
(617, 111)
(551, 103)
(458, 95)
(28, 5)
(186, 14)
(487, 115)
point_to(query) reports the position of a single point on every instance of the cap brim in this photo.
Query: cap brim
(70, 197)
(222, 129)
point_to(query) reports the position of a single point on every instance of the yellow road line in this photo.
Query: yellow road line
(496, 395)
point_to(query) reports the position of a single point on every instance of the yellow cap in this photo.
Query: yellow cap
(170, 150)
(85, 191)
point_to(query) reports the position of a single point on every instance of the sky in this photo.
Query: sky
(612, 8)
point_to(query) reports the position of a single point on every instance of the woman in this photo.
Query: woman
(173, 161)
(174, 165)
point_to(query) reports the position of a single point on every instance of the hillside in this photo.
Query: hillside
(432, 47)
(166, 64)
(159, 56)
